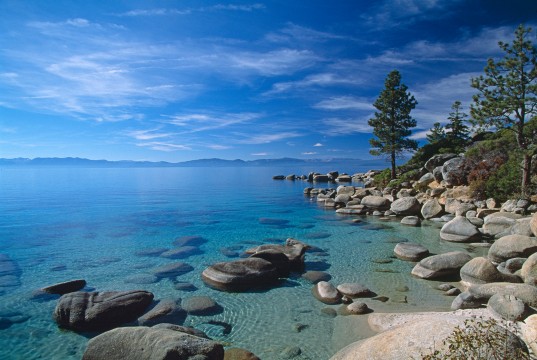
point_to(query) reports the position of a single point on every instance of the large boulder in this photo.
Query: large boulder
(526, 293)
(499, 224)
(438, 160)
(421, 336)
(326, 293)
(529, 270)
(441, 265)
(410, 251)
(294, 250)
(453, 171)
(97, 311)
(460, 229)
(376, 202)
(407, 205)
(144, 343)
(166, 311)
(431, 208)
(354, 290)
(512, 246)
(480, 270)
(65, 287)
(242, 274)
(533, 224)
(508, 307)
(522, 227)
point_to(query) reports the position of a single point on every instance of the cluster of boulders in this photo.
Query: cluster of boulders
(332, 176)
(130, 324)
(263, 267)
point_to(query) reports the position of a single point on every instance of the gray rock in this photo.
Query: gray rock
(201, 306)
(452, 205)
(406, 206)
(65, 287)
(240, 274)
(354, 290)
(508, 307)
(314, 276)
(453, 171)
(294, 251)
(290, 352)
(181, 252)
(410, 251)
(357, 308)
(514, 264)
(465, 300)
(326, 293)
(499, 223)
(166, 311)
(437, 173)
(431, 208)
(460, 229)
(512, 246)
(522, 227)
(526, 293)
(141, 279)
(480, 270)
(150, 252)
(441, 265)
(438, 160)
(528, 270)
(182, 329)
(144, 343)
(376, 202)
(426, 179)
(94, 311)
(189, 241)
(343, 198)
(411, 221)
(453, 292)
(533, 224)
(172, 270)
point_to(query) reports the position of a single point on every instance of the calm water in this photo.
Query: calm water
(61, 224)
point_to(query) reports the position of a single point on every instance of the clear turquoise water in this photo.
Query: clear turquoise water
(59, 224)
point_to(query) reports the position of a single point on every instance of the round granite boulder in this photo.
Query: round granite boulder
(410, 251)
(97, 311)
(460, 229)
(145, 343)
(201, 305)
(481, 270)
(354, 290)
(376, 202)
(533, 224)
(512, 246)
(242, 274)
(529, 270)
(326, 293)
(441, 265)
(431, 208)
(407, 205)
(508, 307)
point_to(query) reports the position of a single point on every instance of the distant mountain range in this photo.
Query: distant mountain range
(81, 162)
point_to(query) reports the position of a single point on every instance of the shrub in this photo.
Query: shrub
(481, 339)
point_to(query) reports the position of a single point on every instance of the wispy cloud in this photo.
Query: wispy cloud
(187, 11)
(260, 154)
(318, 145)
(198, 122)
(309, 153)
(265, 138)
(164, 146)
(276, 62)
(345, 126)
(314, 80)
(148, 134)
(345, 103)
(293, 33)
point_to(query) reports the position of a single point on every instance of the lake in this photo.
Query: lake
(59, 224)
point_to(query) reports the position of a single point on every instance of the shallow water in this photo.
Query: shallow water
(59, 224)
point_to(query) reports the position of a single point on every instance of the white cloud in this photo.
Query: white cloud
(318, 145)
(162, 146)
(339, 126)
(266, 138)
(315, 80)
(218, 147)
(276, 62)
(309, 153)
(260, 154)
(345, 103)
(147, 134)
(198, 122)
(293, 33)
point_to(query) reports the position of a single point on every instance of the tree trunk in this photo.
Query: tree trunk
(526, 173)
(393, 165)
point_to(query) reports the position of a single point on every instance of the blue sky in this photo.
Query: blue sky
(181, 80)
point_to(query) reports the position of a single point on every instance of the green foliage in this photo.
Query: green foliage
(382, 179)
(480, 339)
(458, 137)
(494, 168)
(392, 122)
(507, 97)
(437, 133)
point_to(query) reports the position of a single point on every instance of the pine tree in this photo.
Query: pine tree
(458, 137)
(507, 97)
(392, 122)
(436, 134)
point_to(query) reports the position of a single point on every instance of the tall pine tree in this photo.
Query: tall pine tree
(458, 137)
(436, 133)
(392, 122)
(507, 97)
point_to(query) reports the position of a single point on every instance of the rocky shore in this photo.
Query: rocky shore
(500, 285)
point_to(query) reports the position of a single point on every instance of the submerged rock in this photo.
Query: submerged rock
(65, 287)
(96, 311)
(240, 274)
(410, 251)
(326, 293)
(166, 311)
(144, 343)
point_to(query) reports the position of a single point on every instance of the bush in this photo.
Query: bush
(481, 339)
